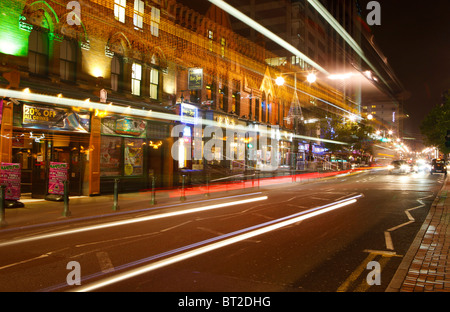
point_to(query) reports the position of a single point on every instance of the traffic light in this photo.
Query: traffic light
(447, 139)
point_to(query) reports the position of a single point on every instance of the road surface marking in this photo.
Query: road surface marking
(130, 221)
(355, 274)
(387, 233)
(236, 236)
(363, 286)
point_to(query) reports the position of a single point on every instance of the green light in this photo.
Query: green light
(13, 37)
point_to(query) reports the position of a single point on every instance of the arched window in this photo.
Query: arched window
(68, 60)
(116, 73)
(38, 52)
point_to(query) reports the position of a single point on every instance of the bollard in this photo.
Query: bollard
(183, 194)
(66, 212)
(2, 206)
(153, 201)
(207, 186)
(116, 195)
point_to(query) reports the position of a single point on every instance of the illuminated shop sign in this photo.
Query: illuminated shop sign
(115, 125)
(195, 78)
(189, 114)
(53, 118)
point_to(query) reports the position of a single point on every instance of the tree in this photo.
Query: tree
(435, 125)
(356, 135)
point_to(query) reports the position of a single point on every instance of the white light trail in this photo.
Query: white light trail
(274, 225)
(343, 33)
(131, 221)
(264, 31)
(110, 108)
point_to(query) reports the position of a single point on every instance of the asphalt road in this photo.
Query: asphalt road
(291, 237)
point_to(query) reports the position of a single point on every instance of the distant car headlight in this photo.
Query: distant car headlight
(390, 167)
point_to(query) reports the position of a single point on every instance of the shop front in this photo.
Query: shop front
(122, 146)
(43, 134)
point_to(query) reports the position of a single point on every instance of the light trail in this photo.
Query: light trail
(240, 236)
(261, 29)
(130, 221)
(147, 114)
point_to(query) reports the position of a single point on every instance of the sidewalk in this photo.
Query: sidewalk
(39, 211)
(426, 266)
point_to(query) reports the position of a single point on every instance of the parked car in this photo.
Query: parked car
(399, 166)
(438, 165)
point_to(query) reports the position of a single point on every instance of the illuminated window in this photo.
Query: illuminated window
(138, 16)
(154, 82)
(136, 76)
(211, 38)
(222, 46)
(119, 10)
(67, 62)
(38, 52)
(154, 27)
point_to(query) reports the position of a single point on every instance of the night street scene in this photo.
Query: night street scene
(223, 154)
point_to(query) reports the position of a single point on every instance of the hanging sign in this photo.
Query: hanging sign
(195, 78)
(10, 177)
(56, 177)
(189, 114)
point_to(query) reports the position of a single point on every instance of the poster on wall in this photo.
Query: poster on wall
(55, 118)
(10, 177)
(56, 177)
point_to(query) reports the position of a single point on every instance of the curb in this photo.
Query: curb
(402, 271)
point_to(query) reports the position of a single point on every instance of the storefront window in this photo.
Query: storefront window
(115, 161)
(133, 157)
(110, 157)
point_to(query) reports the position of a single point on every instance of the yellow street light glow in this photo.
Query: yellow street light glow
(340, 76)
(311, 78)
(279, 81)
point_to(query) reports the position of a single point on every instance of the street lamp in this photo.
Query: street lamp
(311, 78)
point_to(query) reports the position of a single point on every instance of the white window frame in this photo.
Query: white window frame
(154, 83)
(155, 19)
(138, 16)
(136, 77)
(119, 10)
